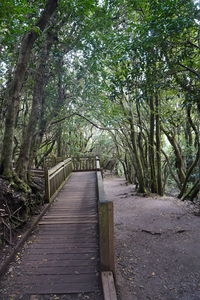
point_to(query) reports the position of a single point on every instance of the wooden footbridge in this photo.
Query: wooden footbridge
(72, 250)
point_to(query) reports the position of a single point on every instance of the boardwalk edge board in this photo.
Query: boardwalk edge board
(108, 284)
(106, 228)
(107, 246)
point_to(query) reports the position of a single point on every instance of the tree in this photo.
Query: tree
(15, 85)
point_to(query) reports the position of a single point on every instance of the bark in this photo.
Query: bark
(158, 147)
(15, 86)
(176, 179)
(59, 104)
(165, 175)
(153, 183)
(128, 169)
(178, 155)
(38, 95)
(38, 137)
(135, 155)
(193, 192)
(188, 138)
(142, 144)
(138, 167)
(123, 160)
(42, 160)
(44, 121)
(125, 171)
(59, 142)
(197, 157)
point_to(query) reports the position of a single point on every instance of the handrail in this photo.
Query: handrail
(56, 177)
(84, 163)
(106, 228)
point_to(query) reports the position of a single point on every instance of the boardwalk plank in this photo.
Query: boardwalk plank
(63, 245)
(62, 252)
(59, 263)
(61, 270)
(64, 279)
(71, 288)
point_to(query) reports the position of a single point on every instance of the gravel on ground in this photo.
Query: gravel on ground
(157, 245)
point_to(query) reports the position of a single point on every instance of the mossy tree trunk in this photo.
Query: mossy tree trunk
(139, 169)
(153, 181)
(38, 95)
(158, 146)
(15, 86)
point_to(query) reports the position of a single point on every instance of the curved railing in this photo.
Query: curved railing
(56, 176)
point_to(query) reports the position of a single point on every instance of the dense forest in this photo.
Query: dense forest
(118, 79)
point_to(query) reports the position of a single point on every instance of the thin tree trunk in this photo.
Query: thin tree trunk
(139, 169)
(59, 142)
(158, 147)
(42, 160)
(153, 183)
(178, 156)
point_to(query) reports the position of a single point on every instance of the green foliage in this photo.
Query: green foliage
(108, 60)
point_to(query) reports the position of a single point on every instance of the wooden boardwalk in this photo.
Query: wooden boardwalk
(63, 257)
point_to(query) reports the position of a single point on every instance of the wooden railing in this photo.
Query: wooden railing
(50, 162)
(55, 178)
(84, 163)
(37, 173)
(106, 228)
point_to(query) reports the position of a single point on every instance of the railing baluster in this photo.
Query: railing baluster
(85, 163)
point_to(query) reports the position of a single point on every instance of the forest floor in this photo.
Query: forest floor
(157, 245)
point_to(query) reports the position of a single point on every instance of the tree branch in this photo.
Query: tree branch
(87, 119)
(189, 69)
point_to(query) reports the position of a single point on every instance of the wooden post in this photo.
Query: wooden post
(106, 228)
(106, 225)
(97, 163)
(47, 186)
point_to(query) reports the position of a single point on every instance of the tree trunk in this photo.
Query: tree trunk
(59, 142)
(193, 192)
(38, 95)
(16, 86)
(197, 157)
(178, 155)
(44, 121)
(158, 147)
(153, 183)
(139, 169)
(42, 160)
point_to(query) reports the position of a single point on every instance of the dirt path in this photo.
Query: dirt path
(157, 246)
